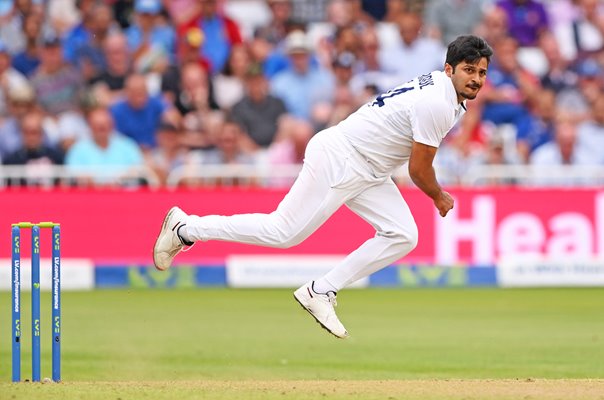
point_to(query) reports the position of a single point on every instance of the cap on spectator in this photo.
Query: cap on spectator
(165, 126)
(297, 42)
(21, 94)
(147, 6)
(345, 60)
(589, 68)
(194, 37)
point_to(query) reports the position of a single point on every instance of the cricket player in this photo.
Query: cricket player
(352, 163)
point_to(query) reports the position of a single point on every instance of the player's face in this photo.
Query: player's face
(468, 79)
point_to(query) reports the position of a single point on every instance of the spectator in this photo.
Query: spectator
(494, 25)
(559, 152)
(21, 102)
(80, 33)
(258, 112)
(346, 39)
(63, 15)
(107, 154)
(194, 92)
(508, 89)
(290, 144)
(561, 12)
(446, 19)
(56, 83)
(230, 146)
(559, 76)
(368, 71)
(230, 149)
(182, 11)
(200, 129)
(580, 97)
(109, 84)
(190, 49)
(415, 55)
(394, 8)
(306, 11)
(376, 9)
(59, 91)
(229, 84)
(10, 78)
(302, 86)
(276, 30)
(582, 36)
(11, 25)
(359, 15)
(527, 19)
(590, 136)
(34, 153)
(496, 154)
(289, 147)
(150, 40)
(138, 115)
(88, 55)
(345, 101)
(220, 34)
(541, 129)
(170, 154)
(28, 60)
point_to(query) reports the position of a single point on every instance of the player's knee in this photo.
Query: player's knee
(412, 240)
(412, 237)
(402, 241)
(291, 241)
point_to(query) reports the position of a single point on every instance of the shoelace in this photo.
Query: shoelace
(332, 298)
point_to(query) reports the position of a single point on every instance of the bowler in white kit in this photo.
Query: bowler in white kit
(352, 163)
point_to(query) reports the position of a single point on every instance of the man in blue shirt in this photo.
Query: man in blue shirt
(138, 115)
(106, 148)
(301, 86)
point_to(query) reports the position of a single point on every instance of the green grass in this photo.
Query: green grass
(203, 335)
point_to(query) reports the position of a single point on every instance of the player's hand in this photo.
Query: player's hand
(444, 202)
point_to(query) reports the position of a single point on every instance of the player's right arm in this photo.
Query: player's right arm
(422, 174)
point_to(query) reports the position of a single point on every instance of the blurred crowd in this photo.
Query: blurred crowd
(186, 84)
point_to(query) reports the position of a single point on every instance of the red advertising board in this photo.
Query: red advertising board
(115, 226)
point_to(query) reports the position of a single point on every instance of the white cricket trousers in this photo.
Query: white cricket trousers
(334, 173)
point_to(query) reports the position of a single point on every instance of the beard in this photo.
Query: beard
(468, 96)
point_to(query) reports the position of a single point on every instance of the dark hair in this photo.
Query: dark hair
(468, 48)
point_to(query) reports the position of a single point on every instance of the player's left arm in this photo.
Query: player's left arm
(423, 175)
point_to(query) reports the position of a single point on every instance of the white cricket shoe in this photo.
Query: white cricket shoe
(168, 243)
(321, 307)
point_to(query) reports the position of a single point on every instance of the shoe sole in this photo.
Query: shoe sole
(318, 322)
(163, 228)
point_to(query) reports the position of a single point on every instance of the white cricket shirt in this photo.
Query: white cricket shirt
(422, 110)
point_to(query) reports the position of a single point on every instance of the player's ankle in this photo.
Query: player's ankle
(181, 233)
(322, 286)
